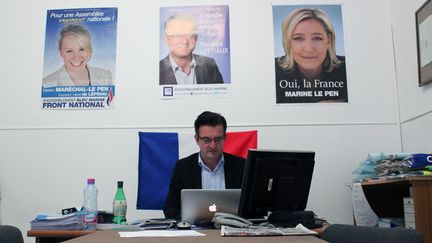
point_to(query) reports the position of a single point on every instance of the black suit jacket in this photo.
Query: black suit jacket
(206, 71)
(187, 175)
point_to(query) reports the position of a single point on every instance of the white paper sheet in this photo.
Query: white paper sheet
(363, 213)
(160, 233)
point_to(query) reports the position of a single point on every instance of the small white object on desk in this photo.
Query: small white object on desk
(160, 233)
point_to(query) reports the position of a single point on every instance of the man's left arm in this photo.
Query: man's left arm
(217, 75)
(207, 71)
(234, 169)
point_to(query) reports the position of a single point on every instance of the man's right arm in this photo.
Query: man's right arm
(217, 76)
(166, 74)
(172, 203)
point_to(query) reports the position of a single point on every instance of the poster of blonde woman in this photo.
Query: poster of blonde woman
(79, 61)
(309, 54)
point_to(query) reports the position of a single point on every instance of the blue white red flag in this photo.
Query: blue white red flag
(158, 153)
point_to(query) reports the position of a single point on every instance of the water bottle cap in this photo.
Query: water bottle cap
(120, 183)
(90, 181)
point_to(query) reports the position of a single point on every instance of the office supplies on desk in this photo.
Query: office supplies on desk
(68, 210)
(183, 225)
(113, 226)
(57, 221)
(161, 233)
(146, 224)
(199, 205)
(265, 231)
(157, 223)
(220, 219)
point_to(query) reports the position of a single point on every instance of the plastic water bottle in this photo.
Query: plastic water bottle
(119, 205)
(90, 205)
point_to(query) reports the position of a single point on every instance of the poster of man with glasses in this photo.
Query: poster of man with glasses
(195, 51)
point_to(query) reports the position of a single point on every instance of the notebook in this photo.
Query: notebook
(199, 205)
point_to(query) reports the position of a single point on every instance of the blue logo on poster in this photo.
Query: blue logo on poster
(168, 91)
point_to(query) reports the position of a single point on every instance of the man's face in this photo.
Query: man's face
(211, 141)
(181, 38)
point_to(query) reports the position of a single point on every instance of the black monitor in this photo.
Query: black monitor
(275, 180)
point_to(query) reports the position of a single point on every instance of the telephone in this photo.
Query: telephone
(220, 219)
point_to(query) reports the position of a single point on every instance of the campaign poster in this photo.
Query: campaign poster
(194, 53)
(309, 54)
(79, 59)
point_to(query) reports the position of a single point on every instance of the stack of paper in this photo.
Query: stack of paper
(57, 221)
(265, 231)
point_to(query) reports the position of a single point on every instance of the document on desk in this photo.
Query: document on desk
(160, 233)
(57, 221)
(265, 231)
(363, 213)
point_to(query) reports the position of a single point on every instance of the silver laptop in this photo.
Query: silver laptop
(199, 205)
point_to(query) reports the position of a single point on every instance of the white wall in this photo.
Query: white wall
(45, 156)
(253, 88)
(415, 102)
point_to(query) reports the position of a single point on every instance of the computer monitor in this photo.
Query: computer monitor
(275, 180)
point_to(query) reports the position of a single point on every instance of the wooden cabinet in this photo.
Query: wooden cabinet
(386, 199)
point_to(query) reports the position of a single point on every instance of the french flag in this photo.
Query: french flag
(158, 153)
(110, 96)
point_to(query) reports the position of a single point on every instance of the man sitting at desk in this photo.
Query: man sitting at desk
(211, 168)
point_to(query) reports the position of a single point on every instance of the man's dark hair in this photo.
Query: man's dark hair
(208, 118)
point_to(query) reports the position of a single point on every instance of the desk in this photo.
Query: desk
(212, 236)
(55, 236)
(386, 199)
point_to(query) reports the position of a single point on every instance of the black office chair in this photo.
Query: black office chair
(339, 233)
(10, 234)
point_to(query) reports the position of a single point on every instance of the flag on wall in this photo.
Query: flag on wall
(238, 143)
(158, 153)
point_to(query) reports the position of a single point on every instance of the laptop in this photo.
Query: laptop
(199, 205)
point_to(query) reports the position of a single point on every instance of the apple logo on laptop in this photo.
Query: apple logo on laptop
(213, 208)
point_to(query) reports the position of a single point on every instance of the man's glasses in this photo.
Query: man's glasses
(207, 140)
(189, 36)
